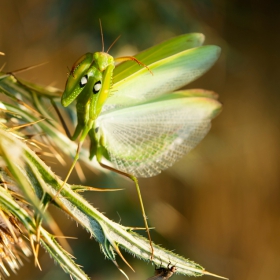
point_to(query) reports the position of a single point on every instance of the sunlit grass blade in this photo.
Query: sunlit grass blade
(106, 231)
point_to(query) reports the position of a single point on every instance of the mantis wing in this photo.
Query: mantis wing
(172, 71)
(159, 52)
(144, 139)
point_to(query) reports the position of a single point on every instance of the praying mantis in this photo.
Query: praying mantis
(132, 114)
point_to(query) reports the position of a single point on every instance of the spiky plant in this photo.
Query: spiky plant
(28, 186)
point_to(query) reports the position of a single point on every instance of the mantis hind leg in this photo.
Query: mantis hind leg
(135, 180)
(71, 169)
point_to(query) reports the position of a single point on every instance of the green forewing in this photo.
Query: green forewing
(159, 52)
(169, 74)
(198, 93)
(142, 140)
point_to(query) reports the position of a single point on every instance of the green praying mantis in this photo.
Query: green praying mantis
(134, 117)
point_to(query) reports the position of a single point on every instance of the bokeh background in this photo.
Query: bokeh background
(218, 206)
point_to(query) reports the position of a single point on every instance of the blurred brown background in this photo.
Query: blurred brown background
(219, 206)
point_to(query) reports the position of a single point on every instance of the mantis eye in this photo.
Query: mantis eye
(83, 81)
(96, 87)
